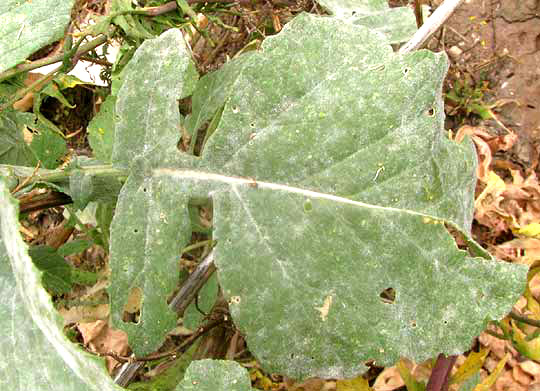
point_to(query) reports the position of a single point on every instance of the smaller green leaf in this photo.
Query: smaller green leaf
(74, 247)
(48, 147)
(101, 131)
(13, 148)
(56, 272)
(215, 375)
(83, 277)
(129, 23)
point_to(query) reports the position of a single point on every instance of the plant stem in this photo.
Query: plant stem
(51, 60)
(179, 303)
(431, 25)
(418, 13)
(43, 202)
(54, 176)
(35, 86)
(520, 318)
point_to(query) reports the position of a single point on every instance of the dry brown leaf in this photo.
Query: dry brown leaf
(523, 250)
(506, 383)
(84, 314)
(521, 376)
(388, 380)
(532, 368)
(100, 338)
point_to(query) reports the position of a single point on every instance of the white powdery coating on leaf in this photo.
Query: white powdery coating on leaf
(38, 302)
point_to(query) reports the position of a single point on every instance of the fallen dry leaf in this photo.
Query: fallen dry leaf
(100, 338)
(388, 380)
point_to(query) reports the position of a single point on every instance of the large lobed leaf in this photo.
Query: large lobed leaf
(28, 26)
(332, 181)
(36, 354)
(150, 225)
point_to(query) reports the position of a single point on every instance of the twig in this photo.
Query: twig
(431, 25)
(132, 364)
(520, 318)
(191, 287)
(418, 13)
(51, 200)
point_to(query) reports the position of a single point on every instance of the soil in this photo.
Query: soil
(499, 41)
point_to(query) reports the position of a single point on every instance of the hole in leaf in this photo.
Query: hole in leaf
(252, 124)
(388, 296)
(353, 13)
(445, 321)
(235, 109)
(430, 112)
(462, 242)
(135, 230)
(132, 308)
(144, 189)
(406, 70)
(413, 324)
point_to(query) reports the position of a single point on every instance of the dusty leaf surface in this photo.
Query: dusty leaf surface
(334, 180)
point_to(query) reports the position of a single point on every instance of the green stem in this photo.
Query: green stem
(520, 318)
(55, 176)
(198, 245)
(35, 86)
(87, 47)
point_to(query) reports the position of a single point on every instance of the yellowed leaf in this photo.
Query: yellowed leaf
(531, 230)
(472, 364)
(406, 375)
(356, 384)
(489, 381)
(388, 380)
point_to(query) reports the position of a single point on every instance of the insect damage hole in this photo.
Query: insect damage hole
(388, 296)
(132, 308)
(430, 112)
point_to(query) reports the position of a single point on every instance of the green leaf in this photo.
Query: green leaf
(31, 327)
(74, 247)
(28, 26)
(398, 24)
(129, 23)
(56, 272)
(101, 131)
(215, 375)
(335, 181)
(13, 148)
(48, 147)
(160, 73)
